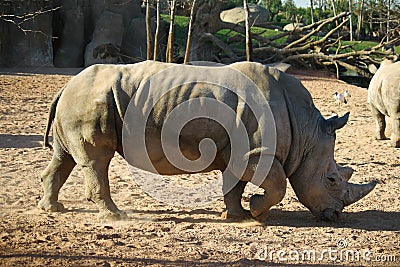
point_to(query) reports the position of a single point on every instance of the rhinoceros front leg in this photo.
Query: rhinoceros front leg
(380, 123)
(233, 198)
(97, 186)
(53, 178)
(274, 186)
(395, 137)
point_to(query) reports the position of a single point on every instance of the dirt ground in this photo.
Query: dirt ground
(159, 235)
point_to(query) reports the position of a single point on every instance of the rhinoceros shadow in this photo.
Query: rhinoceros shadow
(20, 141)
(76, 260)
(29, 71)
(371, 220)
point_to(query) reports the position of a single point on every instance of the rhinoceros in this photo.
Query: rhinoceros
(87, 117)
(384, 100)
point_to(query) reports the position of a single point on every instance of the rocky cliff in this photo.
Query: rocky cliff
(77, 33)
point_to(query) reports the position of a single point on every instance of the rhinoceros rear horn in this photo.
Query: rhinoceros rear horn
(334, 123)
(356, 192)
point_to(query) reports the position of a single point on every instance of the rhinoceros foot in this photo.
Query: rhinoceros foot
(262, 217)
(236, 214)
(46, 205)
(113, 216)
(260, 205)
(380, 136)
(395, 143)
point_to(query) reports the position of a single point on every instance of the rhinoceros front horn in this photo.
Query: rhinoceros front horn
(355, 192)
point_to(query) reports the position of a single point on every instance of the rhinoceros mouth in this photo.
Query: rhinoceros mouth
(330, 214)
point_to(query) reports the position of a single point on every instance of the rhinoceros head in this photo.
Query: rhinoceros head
(319, 182)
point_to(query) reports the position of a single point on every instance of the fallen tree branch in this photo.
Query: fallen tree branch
(294, 50)
(224, 47)
(317, 29)
(242, 30)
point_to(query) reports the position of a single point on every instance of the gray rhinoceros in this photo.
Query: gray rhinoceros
(89, 112)
(384, 100)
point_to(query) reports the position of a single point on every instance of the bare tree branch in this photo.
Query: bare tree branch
(19, 20)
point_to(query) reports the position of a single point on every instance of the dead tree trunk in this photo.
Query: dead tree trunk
(360, 20)
(388, 21)
(249, 45)
(148, 32)
(334, 9)
(351, 19)
(157, 31)
(170, 44)
(189, 34)
(312, 11)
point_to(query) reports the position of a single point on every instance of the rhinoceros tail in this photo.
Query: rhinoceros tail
(50, 118)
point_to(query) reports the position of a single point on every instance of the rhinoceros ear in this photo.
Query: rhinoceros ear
(346, 172)
(334, 123)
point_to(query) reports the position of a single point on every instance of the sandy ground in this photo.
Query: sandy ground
(157, 234)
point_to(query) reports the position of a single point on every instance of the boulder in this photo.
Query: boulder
(292, 26)
(108, 33)
(128, 9)
(259, 16)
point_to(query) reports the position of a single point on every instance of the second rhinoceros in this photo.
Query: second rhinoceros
(88, 119)
(384, 100)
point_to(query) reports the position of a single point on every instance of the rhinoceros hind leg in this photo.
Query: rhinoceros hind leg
(380, 123)
(275, 188)
(233, 202)
(395, 138)
(53, 178)
(97, 185)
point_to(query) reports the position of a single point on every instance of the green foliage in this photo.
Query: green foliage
(360, 46)
(273, 6)
(290, 10)
(180, 33)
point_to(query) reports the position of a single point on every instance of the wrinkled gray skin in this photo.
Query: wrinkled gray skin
(88, 114)
(384, 100)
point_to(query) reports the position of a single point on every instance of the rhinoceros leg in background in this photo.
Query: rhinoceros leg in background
(380, 123)
(53, 178)
(395, 137)
(233, 201)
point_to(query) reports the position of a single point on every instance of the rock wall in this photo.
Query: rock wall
(32, 47)
(79, 33)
